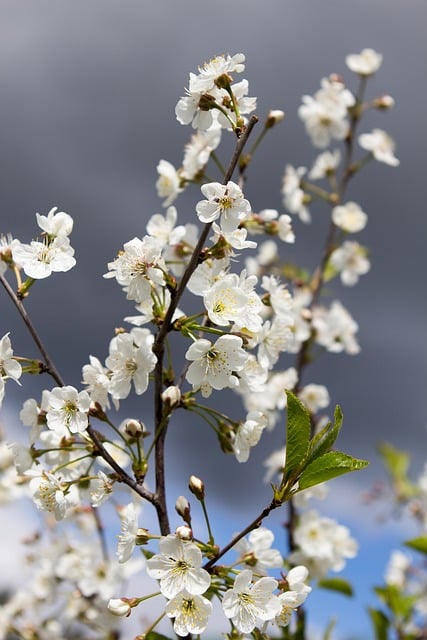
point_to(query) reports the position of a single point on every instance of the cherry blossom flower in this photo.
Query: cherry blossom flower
(56, 223)
(225, 201)
(127, 538)
(248, 603)
(365, 63)
(50, 495)
(381, 145)
(295, 595)
(197, 152)
(349, 217)
(225, 300)
(248, 435)
(214, 68)
(350, 261)
(9, 367)
(129, 363)
(178, 567)
(325, 164)
(214, 366)
(325, 114)
(68, 408)
(294, 198)
(40, 259)
(138, 267)
(5, 252)
(97, 382)
(256, 551)
(168, 184)
(190, 612)
(314, 397)
(335, 329)
(100, 489)
(119, 607)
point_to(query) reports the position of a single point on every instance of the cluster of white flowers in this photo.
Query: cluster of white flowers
(248, 320)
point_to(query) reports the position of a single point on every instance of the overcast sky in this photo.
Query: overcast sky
(88, 90)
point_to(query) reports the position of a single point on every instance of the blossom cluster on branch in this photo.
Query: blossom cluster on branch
(258, 325)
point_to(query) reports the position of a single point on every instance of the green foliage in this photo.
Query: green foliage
(396, 463)
(419, 544)
(380, 623)
(340, 585)
(310, 460)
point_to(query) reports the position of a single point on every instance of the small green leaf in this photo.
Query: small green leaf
(297, 433)
(395, 460)
(153, 635)
(419, 544)
(325, 439)
(328, 631)
(328, 466)
(336, 584)
(381, 624)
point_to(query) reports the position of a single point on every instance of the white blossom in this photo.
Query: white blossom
(129, 528)
(178, 567)
(130, 362)
(256, 551)
(168, 182)
(225, 300)
(325, 164)
(365, 63)
(314, 397)
(381, 145)
(350, 261)
(40, 259)
(335, 329)
(190, 612)
(294, 198)
(214, 366)
(68, 408)
(248, 434)
(50, 495)
(248, 603)
(225, 202)
(56, 223)
(349, 217)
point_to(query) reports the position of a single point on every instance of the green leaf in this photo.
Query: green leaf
(336, 584)
(328, 631)
(328, 466)
(400, 604)
(297, 433)
(395, 460)
(381, 624)
(419, 544)
(153, 635)
(325, 439)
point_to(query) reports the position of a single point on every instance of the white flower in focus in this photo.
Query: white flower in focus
(236, 238)
(56, 223)
(168, 182)
(68, 408)
(40, 259)
(97, 382)
(350, 261)
(129, 525)
(138, 267)
(178, 567)
(256, 551)
(295, 596)
(335, 329)
(381, 145)
(248, 435)
(50, 495)
(365, 63)
(349, 217)
(248, 603)
(162, 227)
(225, 300)
(216, 67)
(190, 612)
(130, 363)
(325, 164)
(225, 201)
(314, 397)
(214, 365)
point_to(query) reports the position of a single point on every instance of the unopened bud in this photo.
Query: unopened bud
(197, 487)
(274, 116)
(182, 507)
(183, 532)
(119, 607)
(134, 428)
(172, 395)
(384, 102)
